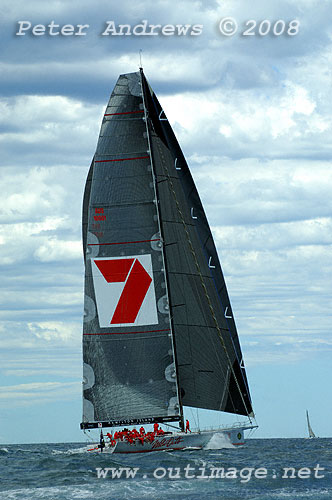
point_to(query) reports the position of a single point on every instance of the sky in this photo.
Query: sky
(252, 114)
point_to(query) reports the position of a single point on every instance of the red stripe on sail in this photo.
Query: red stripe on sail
(132, 295)
(124, 113)
(121, 242)
(127, 333)
(123, 159)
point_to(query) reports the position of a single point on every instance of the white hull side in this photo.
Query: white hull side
(180, 440)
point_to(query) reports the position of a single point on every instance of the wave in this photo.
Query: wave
(219, 441)
(73, 451)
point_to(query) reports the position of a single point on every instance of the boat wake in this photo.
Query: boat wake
(73, 451)
(218, 441)
(191, 448)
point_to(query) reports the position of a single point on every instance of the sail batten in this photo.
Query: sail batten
(159, 330)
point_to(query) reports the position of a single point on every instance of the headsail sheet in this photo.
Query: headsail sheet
(129, 373)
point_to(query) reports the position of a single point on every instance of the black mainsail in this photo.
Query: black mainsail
(158, 330)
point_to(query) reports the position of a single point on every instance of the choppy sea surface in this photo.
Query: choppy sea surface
(262, 469)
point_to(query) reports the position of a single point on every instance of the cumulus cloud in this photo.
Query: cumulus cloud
(42, 130)
(245, 124)
(37, 393)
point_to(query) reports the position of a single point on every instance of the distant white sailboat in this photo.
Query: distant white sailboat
(310, 431)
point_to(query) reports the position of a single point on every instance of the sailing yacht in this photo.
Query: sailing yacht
(158, 332)
(310, 431)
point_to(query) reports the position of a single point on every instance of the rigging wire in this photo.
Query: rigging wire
(195, 416)
(169, 425)
(88, 435)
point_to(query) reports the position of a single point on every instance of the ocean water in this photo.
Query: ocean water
(255, 471)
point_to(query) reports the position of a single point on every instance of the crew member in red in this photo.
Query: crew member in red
(150, 436)
(141, 439)
(129, 438)
(155, 427)
(142, 431)
(187, 426)
(135, 433)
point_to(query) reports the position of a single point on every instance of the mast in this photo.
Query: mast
(181, 422)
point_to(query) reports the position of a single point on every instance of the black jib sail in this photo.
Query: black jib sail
(158, 328)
